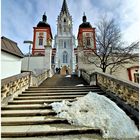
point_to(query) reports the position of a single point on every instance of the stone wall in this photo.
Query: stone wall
(38, 78)
(12, 86)
(35, 62)
(127, 91)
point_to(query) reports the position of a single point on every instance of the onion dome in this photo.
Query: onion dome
(43, 23)
(85, 24)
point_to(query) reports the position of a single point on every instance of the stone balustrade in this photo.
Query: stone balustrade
(12, 86)
(37, 79)
(127, 91)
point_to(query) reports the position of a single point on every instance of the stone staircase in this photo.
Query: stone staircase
(30, 116)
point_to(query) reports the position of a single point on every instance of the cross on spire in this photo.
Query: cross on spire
(84, 17)
(44, 17)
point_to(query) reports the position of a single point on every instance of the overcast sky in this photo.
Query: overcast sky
(20, 16)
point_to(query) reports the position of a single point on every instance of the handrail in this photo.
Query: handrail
(14, 85)
(122, 81)
(125, 90)
(13, 78)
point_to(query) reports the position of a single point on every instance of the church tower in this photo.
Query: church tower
(86, 35)
(65, 41)
(86, 43)
(42, 36)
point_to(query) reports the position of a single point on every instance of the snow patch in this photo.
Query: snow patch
(80, 85)
(99, 112)
(68, 76)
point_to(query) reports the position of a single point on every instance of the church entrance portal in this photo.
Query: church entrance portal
(65, 70)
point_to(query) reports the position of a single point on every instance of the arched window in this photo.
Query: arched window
(40, 41)
(64, 44)
(64, 20)
(88, 41)
(65, 57)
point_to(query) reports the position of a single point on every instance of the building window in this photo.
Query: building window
(76, 58)
(41, 34)
(136, 77)
(40, 41)
(64, 20)
(88, 41)
(65, 57)
(64, 44)
(53, 59)
(64, 29)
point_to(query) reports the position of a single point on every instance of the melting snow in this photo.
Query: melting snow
(80, 85)
(68, 76)
(97, 111)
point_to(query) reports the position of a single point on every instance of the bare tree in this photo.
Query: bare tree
(111, 51)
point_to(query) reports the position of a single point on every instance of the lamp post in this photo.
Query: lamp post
(28, 42)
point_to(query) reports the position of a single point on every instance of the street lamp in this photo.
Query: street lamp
(28, 42)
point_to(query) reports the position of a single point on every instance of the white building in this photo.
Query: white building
(65, 57)
(11, 58)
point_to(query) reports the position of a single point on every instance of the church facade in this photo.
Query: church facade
(64, 52)
(64, 56)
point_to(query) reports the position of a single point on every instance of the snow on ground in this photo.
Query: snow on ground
(97, 111)
(68, 76)
(80, 85)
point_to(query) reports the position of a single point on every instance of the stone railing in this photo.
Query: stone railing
(12, 86)
(37, 79)
(127, 91)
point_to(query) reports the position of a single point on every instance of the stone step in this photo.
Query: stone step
(26, 107)
(37, 101)
(52, 94)
(60, 137)
(61, 88)
(47, 97)
(29, 118)
(18, 113)
(45, 130)
(69, 86)
(23, 121)
(61, 91)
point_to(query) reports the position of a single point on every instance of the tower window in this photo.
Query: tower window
(64, 28)
(53, 59)
(76, 58)
(64, 20)
(64, 44)
(88, 41)
(41, 34)
(40, 41)
(136, 77)
(65, 57)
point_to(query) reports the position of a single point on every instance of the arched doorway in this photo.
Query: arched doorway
(65, 70)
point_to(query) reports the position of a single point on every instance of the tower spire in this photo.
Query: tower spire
(44, 17)
(64, 7)
(84, 17)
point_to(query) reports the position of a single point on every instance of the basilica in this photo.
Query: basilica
(64, 53)
(65, 56)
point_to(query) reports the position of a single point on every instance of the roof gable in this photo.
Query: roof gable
(11, 47)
